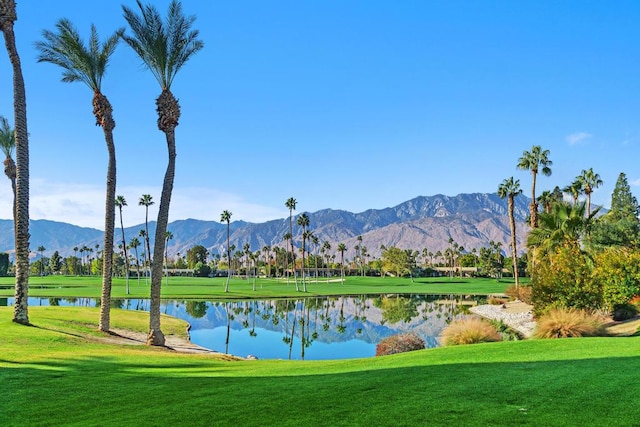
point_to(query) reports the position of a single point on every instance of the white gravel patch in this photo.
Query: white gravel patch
(520, 321)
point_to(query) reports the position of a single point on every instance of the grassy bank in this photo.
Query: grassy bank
(213, 288)
(60, 373)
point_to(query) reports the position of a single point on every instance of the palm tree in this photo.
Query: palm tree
(291, 205)
(41, 249)
(226, 217)
(145, 253)
(146, 200)
(303, 221)
(574, 189)
(316, 242)
(133, 244)
(246, 250)
(509, 189)
(120, 202)
(566, 223)
(326, 247)
(7, 145)
(536, 160)
(266, 250)
(88, 64)
(546, 199)
(167, 236)
(590, 181)
(164, 47)
(342, 248)
(21, 212)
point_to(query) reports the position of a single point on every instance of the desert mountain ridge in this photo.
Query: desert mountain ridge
(472, 220)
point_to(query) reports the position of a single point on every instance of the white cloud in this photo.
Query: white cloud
(83, 204)
(635, 182)
(578, 138)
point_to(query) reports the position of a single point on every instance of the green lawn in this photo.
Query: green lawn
(57, 373)
(213, 288)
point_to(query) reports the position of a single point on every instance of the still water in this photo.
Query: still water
(315, 328)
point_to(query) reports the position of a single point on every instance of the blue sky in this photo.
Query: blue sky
(341, 104)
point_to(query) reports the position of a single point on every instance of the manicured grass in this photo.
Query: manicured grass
(197, 287)
(57, 374)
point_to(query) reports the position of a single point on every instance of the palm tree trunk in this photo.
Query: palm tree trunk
(109, 219)
(514, 253)
(156, 337)
(126, 255)
(21, 225)
(533, 206)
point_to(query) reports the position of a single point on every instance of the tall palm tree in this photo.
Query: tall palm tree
(146, 200)
(342, 248)
(167, 236)
(316, 243)
(226, 217)
(41, 249)
(164, 46)
(590, 181)
(145, 254)
(21, 221)
(291, 205)
(509, 189)
(303, 221)
(134, 244)
(537, 161)
(267, 265)
(120, 202)
(7, 145)
(88, 64)
(326, 247)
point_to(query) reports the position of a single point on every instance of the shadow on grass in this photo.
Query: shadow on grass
(181, 392)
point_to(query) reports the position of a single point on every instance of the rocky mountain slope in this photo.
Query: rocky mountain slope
(472, 220)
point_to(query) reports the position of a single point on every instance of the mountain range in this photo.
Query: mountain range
(472, 220)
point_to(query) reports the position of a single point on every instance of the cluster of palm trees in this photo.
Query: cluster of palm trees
(286, 255)
(537, 161)
(164, 46)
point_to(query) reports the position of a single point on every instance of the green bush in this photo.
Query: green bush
(399, 344)
(624, 312)
(469, 330)
(617, 273)
(563, 278)
(568, 323)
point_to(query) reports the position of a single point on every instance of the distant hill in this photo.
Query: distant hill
(472, 220)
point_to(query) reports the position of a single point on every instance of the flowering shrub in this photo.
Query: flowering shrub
(470, 330)
(399, 344)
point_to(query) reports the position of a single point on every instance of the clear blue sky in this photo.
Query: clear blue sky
(341, 104)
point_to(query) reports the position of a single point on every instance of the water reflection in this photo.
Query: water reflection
(303, 328)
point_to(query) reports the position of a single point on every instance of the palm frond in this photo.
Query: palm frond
(163, 46)
(80, 62)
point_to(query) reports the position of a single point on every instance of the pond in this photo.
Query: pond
(316, 328)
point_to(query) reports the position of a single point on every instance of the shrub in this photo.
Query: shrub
(497, 301)
(618, 274)
(399, 344)
(562, 278)
(506, 333)
(525, 293)
(469, 330)
(624, 312)
(567, 323)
